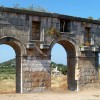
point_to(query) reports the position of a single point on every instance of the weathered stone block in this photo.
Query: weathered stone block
(33, 64)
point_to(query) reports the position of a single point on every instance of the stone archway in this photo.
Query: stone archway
(70, 48)
(19, 50)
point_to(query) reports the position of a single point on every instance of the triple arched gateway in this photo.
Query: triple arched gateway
(33, 34)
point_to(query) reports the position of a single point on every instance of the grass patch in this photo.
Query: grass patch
(7, 80)
(59, 82)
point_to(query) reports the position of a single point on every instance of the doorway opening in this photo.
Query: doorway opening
(58, 68)
(7, 69)
(70, 63)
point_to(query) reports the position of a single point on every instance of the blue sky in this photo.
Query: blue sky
(58, 54)
(6, 53)
(80, 8)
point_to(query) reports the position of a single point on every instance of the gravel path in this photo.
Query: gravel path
(92, 94)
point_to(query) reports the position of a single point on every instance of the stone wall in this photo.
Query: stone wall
(46, 24)
(33, 71)
(89, 74)
(14, 25)
(79, 29)
(36, 75)
(20, 26)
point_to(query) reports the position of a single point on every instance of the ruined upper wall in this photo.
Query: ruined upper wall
(45, 14)
(79, 29)
(14, 25)
(18, 23)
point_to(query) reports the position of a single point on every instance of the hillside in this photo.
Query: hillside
(10, 63)
(8, 67)
(8, 77)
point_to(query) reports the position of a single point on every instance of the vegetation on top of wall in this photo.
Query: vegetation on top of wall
(91, 18)
(53, 32)
(31, 7)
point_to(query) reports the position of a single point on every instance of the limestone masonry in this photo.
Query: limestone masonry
(33, 34)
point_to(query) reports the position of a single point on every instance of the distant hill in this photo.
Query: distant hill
(10, 63)
(7, 68)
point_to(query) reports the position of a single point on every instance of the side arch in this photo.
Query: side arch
(20, 52)
(15, 44)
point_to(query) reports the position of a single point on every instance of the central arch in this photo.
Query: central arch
(19, 50)
(70, 48)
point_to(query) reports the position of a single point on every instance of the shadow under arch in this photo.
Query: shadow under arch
(19, 50)
(70, 48)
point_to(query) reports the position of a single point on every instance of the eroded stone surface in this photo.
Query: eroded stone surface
(28, 33)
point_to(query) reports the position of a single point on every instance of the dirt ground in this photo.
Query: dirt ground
(59, 82)
(89, 94)
(58, 92)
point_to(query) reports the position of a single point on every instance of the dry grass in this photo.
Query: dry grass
(7, 86)
(59, 82)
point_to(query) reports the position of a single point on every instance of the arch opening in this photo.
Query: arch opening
(58, 68)
(19, 50)
(70, 63)
(7, 69)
